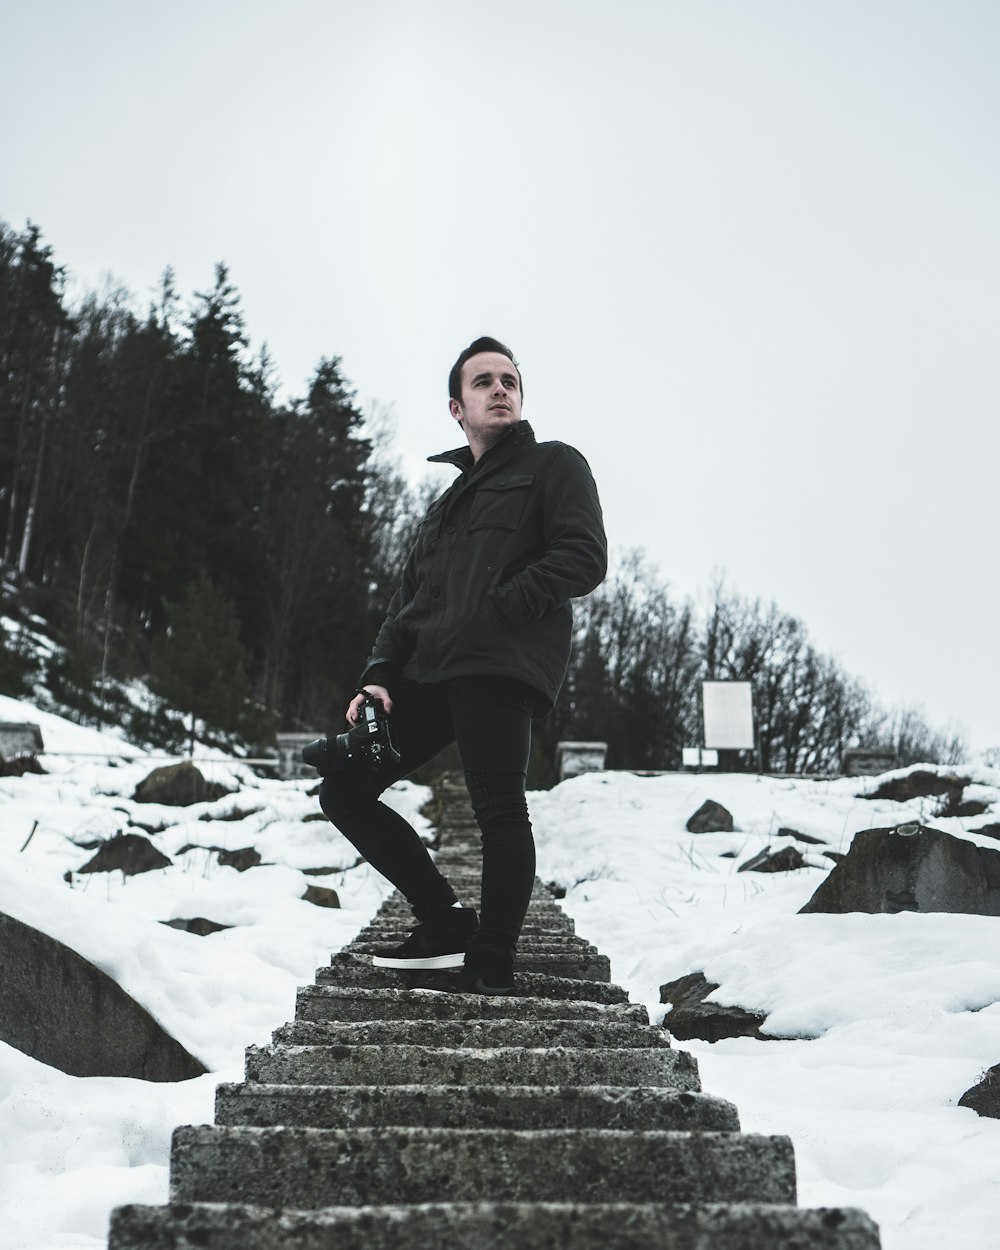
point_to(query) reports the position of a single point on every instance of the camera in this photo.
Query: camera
(367, 747)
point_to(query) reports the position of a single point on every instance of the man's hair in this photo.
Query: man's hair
(484, 344)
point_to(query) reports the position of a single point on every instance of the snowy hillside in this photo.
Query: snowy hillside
(893, 1017)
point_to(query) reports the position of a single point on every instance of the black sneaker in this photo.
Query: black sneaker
(433, 944)
(488, 969)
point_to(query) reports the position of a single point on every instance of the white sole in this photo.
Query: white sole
(431, 961)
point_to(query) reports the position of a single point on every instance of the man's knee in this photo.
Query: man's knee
(497, 798)
(340, 795)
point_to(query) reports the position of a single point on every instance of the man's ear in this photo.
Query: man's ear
(455, 408)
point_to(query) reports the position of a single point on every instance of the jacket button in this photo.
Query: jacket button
(450, 529)
(436, 592)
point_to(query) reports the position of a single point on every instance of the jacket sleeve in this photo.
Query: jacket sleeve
(392, 644)
(574, 559)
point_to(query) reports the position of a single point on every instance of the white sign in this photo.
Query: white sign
(728, 707)
(695, 757)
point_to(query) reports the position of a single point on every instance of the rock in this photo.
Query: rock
(921, 784)
(691, 1017)
(321, 895)
(234, 813)
(319, 872)
(177, 785)
(988, 831)
(19, 765)
(799, 837)
(129, 853)
(242, 859)
(556, 890)
(974, 807)
(984, 1096)
(711, 817)
(838, 857)
(786, 860)
(197, 925)
(912, 868)
(61, 1010)
(246, 857)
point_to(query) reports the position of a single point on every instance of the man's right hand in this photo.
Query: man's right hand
(356, 704)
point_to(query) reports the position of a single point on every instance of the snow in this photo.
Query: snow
(884, 1020)
(876, 1024)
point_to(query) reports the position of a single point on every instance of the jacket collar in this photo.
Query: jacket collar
(519, 435)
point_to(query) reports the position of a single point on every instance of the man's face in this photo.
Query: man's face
(491, 398)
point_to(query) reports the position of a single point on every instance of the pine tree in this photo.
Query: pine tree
(318, 534)
(34, 327)
(200, 665)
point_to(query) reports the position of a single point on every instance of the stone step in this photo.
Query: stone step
(539, 910)
(347, 969)
(281, 1064)
(529, 941)
(335, 1002)
(529, 947)
(541, 917)
(459, 1106)
(466, 884)
(531, 929)
(310, 1167)
(493, 1226)
(574, 965)
(478, 1034)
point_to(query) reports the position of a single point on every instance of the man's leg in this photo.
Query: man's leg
(492, 719)
(421, 720)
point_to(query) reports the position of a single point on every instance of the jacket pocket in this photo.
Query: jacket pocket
(499, 503)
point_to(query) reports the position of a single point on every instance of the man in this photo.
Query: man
(475, 643)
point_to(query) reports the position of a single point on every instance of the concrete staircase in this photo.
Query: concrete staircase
(391, 1114)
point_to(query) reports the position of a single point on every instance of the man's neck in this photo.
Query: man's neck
(480, 447)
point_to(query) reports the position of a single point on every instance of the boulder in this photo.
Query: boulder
(912, 868)
(711, 817)
(19, 765)
(786, 860)
(991, 830)
(984, 1096)
(246, 857)
(799, 837)
(197, 925)
(61, 1010)
(972, 807)
(691, 1017)
(177, 785)
(233, 813)
(241, 859)
(129, 853)
(321, 895)
(921, 783)
(319, 872)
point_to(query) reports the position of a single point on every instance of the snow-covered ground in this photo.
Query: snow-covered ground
(893, 1016)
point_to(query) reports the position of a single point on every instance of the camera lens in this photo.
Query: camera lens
(314, 754)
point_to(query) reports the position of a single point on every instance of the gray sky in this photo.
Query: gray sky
(746, 252)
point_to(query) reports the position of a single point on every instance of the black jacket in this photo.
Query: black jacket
(487, 587)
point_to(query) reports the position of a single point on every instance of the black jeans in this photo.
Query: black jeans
(490, 720)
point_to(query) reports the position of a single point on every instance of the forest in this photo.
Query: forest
(182, 532)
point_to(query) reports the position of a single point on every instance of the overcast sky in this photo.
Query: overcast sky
(746, 251)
